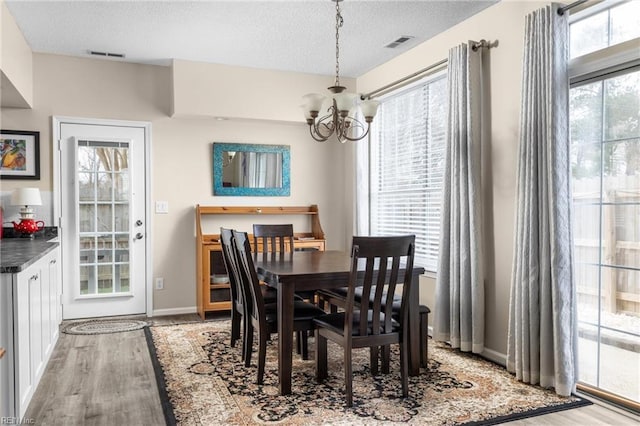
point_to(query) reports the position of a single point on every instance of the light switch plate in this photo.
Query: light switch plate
(162, 207)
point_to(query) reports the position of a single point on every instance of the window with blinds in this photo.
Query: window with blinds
(406, 166)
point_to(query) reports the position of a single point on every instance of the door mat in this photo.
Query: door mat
(102, 326)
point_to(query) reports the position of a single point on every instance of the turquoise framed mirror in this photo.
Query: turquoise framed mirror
(251, 169)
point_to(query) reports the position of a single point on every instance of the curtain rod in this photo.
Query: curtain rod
(403, 79)
(562, 10)
(419, 74)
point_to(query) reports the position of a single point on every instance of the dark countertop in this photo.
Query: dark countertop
(17, 254)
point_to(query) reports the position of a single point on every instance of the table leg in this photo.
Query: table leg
(285, 335)
(414, 326)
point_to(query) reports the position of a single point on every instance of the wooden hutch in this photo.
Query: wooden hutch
(216, 296)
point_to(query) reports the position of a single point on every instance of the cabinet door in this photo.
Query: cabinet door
(6, 342)
(49, 303)
(22, 286)
(35, 323)
(55, 310)
(45, 310)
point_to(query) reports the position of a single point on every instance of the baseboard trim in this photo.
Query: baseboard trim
(174, 311)
(491, 355)
(495, 356)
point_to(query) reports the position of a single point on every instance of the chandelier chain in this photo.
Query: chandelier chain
(339, 22)
(337, 120)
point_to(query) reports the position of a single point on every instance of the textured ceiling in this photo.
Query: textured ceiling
(282, 35)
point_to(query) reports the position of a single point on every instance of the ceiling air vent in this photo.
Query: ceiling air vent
(397, 42)
(106, 54)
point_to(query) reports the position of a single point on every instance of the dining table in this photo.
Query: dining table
(300, 271)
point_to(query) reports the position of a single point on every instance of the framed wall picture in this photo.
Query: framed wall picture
(19, 154)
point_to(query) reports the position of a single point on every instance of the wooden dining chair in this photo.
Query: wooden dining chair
(264, 316)
(237, 296)
(273, 238)
(371, 325)
(277, 239)
(240, 298)
(336, 298)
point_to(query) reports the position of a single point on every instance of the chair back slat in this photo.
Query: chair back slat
(230, 263)
(383, 257)
(249, 275)
(273, 238)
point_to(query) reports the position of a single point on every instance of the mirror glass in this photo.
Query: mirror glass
(250, 169)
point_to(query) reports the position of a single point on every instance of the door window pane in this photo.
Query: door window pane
(586, 113)
(121, 217)
(103, 217)
(87, 217)
(622, 107)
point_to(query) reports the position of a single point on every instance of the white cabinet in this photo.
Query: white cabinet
(6, 362)
(29, 325)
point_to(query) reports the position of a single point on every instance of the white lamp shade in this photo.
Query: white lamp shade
(345, 100)
(307, 113)
(26, 197)
(369, 108)
(312, 102)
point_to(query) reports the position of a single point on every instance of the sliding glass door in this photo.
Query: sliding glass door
(605, 137)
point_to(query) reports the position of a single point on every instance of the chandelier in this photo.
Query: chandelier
(341, 118)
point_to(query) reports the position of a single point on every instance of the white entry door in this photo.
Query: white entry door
(102, 219)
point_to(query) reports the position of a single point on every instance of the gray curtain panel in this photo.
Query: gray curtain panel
(459, 313)
(542, 340)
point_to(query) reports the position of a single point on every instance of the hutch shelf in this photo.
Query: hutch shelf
(216, 296)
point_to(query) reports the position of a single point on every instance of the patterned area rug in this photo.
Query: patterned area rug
(204, 382)
(102, 326)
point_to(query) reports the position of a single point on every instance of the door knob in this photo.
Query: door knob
(138, 236)
(138, 222)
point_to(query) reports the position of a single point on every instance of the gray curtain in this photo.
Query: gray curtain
(459, 313)
(542, 312)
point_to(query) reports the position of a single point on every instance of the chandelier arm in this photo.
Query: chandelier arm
(356, 124)
(316, 136)
(319, 125)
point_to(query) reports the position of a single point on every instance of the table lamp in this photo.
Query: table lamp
(27, 197)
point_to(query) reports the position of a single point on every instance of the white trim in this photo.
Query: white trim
(495, 356)
(430, 274)
(603, 59)
(174, 311)
(56, 122)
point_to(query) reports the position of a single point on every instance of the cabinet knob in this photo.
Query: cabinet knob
(34, 277)
(53, 261)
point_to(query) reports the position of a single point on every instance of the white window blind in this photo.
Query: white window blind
(406, 164)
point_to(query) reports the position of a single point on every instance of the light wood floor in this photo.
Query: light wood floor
(108, 380)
